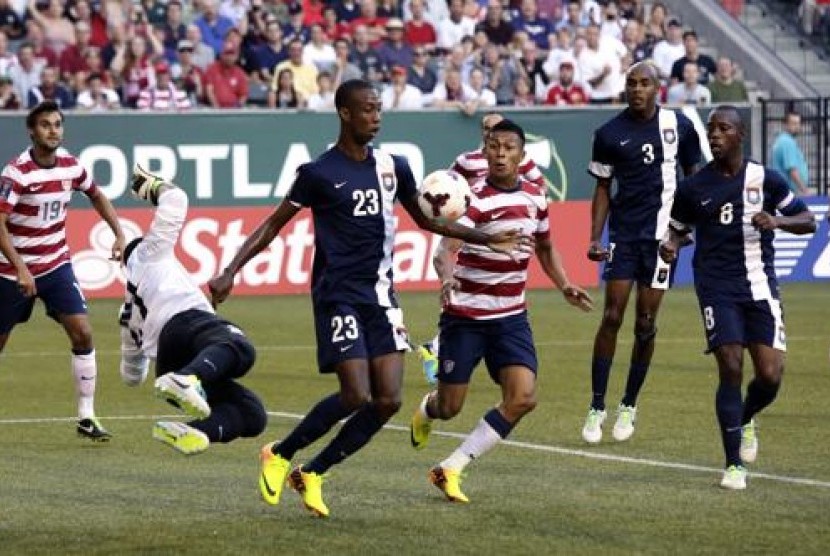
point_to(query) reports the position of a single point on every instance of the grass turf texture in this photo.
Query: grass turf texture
(62, 494)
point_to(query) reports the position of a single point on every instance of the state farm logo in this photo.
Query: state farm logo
(93, 267)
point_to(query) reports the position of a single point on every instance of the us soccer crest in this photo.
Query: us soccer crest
(449, 365)
(6, 186)
(669, 136)
(753, 195)
(388, 181)
(67, 185)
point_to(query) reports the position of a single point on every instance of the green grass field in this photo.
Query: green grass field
(545, 493)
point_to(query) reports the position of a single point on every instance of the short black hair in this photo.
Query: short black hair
(733, 110)
(45, 107)
(511, 127)
(688, 34)
(128, 250)
(343, 94)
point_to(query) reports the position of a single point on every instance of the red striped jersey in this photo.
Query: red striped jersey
(35, 199)
(163, 99)
(473, 166)
(492, 285)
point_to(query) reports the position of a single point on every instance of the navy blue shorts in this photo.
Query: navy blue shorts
(500, 342)
(59, 291)
(356, 332)
(638, 261)
(743, 322)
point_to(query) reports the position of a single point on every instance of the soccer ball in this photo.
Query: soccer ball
(444, 196)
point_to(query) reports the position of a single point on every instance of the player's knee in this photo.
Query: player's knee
(80, 336)
(644, 328)
(447, 408)
(520, 406)
(245, 355)
(387, 406)
(353, 399)
(256, 418)
(612, 318)
(770, 374)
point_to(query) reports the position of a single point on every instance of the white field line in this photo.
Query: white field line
(310, 347)
(589, 454)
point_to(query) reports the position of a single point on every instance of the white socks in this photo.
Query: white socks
(477, 443)
(85, 372)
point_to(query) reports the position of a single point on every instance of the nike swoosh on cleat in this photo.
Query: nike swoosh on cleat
(179, 383)
(268, 489)
(89, 430)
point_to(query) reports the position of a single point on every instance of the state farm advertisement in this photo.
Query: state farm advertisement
(212, 236)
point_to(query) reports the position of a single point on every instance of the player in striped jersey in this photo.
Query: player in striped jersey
(484, 314)
(35, 189)
(732, 204)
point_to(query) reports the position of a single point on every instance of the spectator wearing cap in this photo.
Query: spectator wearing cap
(272, 52)
(187, 75)
(705, 64)
(7, 59)
(82, 11)
(226, 85)
(212, 26)
(538, 29)
(420, 75)
(304, 75)
(8, 97)
(58, 30)
(26, 73)
(50, 89)
(690, 91)
(724, 86)
(323, 99)
(394, 51)
(72, 58)
(10, 22)
(173, 27)
(343, 70)
(565, 91)
(203, 54)
(35, 35)
(451, 30)
(669, 50)
(295, 28)
(417, 30)
(163, 95)
(319, 50)
(400, 95)
(364, 56)
(347, 10)
(498, 31)
(96, 97)
(369, 18)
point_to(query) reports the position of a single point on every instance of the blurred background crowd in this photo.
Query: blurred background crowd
(97, 55)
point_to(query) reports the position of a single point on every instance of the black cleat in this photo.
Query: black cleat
(92, 429)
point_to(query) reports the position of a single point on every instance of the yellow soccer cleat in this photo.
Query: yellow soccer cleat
(272, 476)
(181, 437)
(310, 488)
(419, 428)
(449, 482)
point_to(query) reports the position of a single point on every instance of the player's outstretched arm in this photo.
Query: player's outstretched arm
(220, 286)
(802, 223)
(107, 212)
(444, 264)
(25, 280)
(551, 263)
(600, 205)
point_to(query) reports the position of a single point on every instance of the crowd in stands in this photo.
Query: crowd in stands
(98, 55)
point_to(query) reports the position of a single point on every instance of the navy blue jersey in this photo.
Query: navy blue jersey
(732, 258)
(354, 223)
(643, 158)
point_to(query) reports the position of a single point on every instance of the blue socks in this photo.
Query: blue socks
(758, 396)
(636, 377)
(600, 370)
(318, 422)
(355, 434)
(729, 409)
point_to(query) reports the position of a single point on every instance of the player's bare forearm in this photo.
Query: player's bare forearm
(444, 259)
(106, 211)
(799, 224)
(551, 262)
(600, 203)
(262, 236)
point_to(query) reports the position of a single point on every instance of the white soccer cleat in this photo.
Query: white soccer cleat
(749, 442)
(592, 431)
(624, 427)
(145, 185)
(184, 392)
(734, 478)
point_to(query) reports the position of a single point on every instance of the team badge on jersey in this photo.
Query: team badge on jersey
(669, 136)
(388, 181)
(449, 365)
(753, 195)
(662, 275)
(6, 186)
(67, 185)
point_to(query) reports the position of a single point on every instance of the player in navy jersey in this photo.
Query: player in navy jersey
(351, 190)
(484, 313)
(640, 149)
(733, 205)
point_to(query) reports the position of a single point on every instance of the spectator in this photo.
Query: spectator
(117, 41)
(566, 92)
(364, 56)
(498, 31)
(787, 156)
(96, 97)
(522, 95)
(451, 30)
(417, 30)
(420, 75)
(235, 10)
(705, 64)
(474, 11)
(319, 51)
(82, 12)
(724, 87)
(50, 89)
(394, 51)
(457, 59)
(226, 85)
(37, 38)
(334, 29)
(8, 97)
(132, 64)
(323, 99)
(435, 11)
(271, 53)
(163, 95)
(58, 30)
(7, 59)
(389, 8)
(656, 25)
(633, 41)
(295, 28)
(482, 96)
(93, 63)
(562, 51)
(212, 26)
(533, 68)
(304, 76)
(187, 75)
(669, 50)
(343, 69)
(538, 29)
(72, 58)
(154, 11)
(203, 55)
(369, 18)
(283, 93)
(174, 29)
(612, 24)
(26, 73)
(313, 12)
(400, 95)
(690, 91)
(347, 10)
(599, 67)
(11, 24)
(452, 92)
(573, 19)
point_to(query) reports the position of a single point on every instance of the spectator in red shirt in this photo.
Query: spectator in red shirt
(334, 29)
(374, 24)
(72, 57)
(418, 31)
(313, 12)
(565, 92)
(226, 85)
(82, 12)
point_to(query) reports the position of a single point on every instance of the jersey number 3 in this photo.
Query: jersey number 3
(366, 202)
(648, 153)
